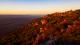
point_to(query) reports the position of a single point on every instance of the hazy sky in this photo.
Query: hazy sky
(37, 6)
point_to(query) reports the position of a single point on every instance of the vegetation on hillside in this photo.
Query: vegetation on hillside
(52, 29)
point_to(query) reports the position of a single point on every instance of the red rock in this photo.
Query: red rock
(62, 30)
(44, 21)
(35, 24)
(42, 30)
(64, 21)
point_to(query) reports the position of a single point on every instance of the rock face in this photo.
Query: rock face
(52, 29)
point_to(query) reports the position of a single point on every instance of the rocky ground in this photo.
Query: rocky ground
(53, 29)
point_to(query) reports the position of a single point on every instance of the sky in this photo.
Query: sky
(37, 6)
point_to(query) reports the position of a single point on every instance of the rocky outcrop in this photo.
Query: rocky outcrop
(52, 29)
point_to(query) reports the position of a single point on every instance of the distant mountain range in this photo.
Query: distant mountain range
(53, 29)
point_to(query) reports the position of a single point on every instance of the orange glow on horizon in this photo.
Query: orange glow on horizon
(48, 11)
(23, 12)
